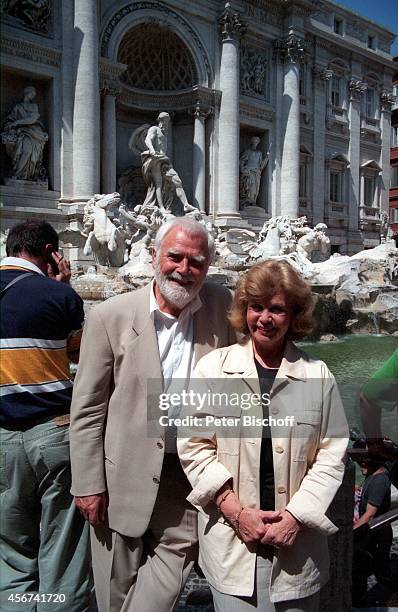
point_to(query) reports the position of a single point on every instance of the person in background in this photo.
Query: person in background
(44, 540)
(372, 548)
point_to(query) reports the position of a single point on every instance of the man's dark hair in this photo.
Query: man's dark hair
(31, 236)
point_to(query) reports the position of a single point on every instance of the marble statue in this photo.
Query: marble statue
(140, 229)
(384, 226)
(24, 138)
(315, 244)
(270, 243)
(251, 166)
(106, 238)
(162, 180)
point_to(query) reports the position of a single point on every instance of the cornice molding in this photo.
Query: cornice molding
(30, 51)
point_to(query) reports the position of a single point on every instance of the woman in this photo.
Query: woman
(267, 548)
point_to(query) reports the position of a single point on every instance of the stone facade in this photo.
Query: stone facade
(311, 80)
(394, 158)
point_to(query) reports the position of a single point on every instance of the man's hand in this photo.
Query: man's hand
(63, 266)
(283, 533)
(93, 507)
(253, 523)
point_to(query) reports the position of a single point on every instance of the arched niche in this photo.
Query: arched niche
(130, 16)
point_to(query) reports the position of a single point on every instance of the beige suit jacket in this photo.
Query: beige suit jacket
(308, 469)
(109, 443)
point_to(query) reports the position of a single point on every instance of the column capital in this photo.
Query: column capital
(387, 99)
(110, 72)
(321, 74)
(110, 88)
(290, 49)
(200, 111)
(356, 88)
(231, 25)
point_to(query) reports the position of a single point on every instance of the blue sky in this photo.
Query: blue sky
(383, 12)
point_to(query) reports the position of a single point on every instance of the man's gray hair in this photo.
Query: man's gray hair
(190, 227)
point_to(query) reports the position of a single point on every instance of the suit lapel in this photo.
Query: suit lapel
(144, 343)
(204, 333)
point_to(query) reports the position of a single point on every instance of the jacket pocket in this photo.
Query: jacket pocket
(305, 435)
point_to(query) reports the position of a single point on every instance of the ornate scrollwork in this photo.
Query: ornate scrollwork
(110, 77)
(387, 99)
(201, 111)
(291, 49)
(231, 25)
(323, 74)
(356, 88)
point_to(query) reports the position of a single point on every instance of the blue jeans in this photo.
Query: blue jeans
(44, 540)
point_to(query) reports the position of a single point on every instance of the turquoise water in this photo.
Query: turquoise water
(353, 359)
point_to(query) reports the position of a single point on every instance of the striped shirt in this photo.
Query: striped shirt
(37, 316)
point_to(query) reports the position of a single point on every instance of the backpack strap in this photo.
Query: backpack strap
(16, 280)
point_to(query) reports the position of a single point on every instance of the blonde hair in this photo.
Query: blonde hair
(262, 282)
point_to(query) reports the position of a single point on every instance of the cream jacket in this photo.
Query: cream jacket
(308, 468)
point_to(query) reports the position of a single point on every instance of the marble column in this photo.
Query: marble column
(386, 101)
(232, 30)
(199, 157)
(321, 77)
(86, 117)
(108, 157)
(291, 52)
(355, 88)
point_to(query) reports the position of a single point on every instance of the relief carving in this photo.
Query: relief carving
(253, 73)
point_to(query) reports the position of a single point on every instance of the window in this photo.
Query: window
(337, 166)
(370, 173)
(303, 180)
(395, 93)
(369, 190)
(394, 136)
(370, 103)
(336, 186)
(394, 177)
(371, 42)
(336, 97)
(338, 26)
(394, 215)
(303, 79)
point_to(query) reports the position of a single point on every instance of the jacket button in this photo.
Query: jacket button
(281, 490)
(279, 449)
(274, 411)
(156, 480)
(159, 444)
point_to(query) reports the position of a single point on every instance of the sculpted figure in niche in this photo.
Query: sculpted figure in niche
(24, 137)
(251, 165)
(162, 180)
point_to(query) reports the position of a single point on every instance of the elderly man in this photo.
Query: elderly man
(130, 486)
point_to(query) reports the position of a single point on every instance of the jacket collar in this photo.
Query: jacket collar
(240, 360)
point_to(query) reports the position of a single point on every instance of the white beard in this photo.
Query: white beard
(177, 295)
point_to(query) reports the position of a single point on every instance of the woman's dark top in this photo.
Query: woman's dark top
(267, 482)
